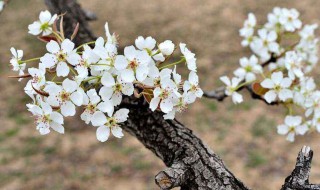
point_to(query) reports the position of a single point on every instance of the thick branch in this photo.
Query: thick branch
(299, 178)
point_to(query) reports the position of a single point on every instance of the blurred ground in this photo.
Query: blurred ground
(244, 135)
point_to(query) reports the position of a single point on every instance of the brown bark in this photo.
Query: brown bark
(190, 163)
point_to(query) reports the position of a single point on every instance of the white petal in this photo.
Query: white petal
(107, 80)
(117, 132)
(62, 69)
(56, 117)
(283, 129)
(57, 127)
(103, 133)
(225, 80)
(127, 75)
(67, 46)
(98, 119)
(121, 62)
(69, 85)
(53, 46)
(106, 107)
(77, 98)
(166, 106)
(121, 115)
(237, 98)
(154, 103)
(106, 93)
(285, 94)
(68, 109)
(270, 96)
(267, 83)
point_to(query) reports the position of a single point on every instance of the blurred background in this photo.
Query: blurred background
(244, 135)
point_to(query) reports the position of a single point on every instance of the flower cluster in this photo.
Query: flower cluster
(283, 53)
(96, 77)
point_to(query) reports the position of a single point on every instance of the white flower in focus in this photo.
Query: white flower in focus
(38, 77)
(66, 96)
(166, 47)
(248, 69)
(113, 89)
(147, 44)
(192, 88)
(278, 86)
(166, 95)
(46, 118)
(60, 56)
(111, 123)
(44, 25)
(189, 56)
(291, 127)
(290, 20)
(94, 104)
(15, 61)
(155, 76)
(133, 65)
(88, 57)
(231, 89)
(180, 106)
(312, 103)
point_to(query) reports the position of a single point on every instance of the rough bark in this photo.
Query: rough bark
(190, 163)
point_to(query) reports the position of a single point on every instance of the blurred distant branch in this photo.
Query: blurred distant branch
(191, 165)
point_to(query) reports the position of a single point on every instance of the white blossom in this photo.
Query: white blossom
(44, 25)
(292, 126)
(232, 87)
(278, 87)
(249, 68)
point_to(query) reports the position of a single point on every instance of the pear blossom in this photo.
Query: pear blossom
(111, 123)
(44, 25)
(265, 43)
(88, 57)
(94, 104)
(133, 65)
(60, 56)
(166, 47)
(292, 126)
(38, 77)
(248, 69)
(113, 89)
(192, 88)
(155, 76)
(189, 56)
(46, 118)
(248, 30)
(180, 106)
(166, 95)
(15, 61)
(231, 89)
(278, 87)
(66, 96)
(274, 19)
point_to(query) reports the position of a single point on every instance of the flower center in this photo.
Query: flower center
(44, 26)
(117, 87)
(61, 56)
(164, 94)
(112, 122)
(91, 108)
(133, 64)
(65, 96)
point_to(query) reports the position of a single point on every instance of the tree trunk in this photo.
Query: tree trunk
(190, 163)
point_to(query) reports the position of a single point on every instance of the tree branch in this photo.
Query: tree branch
(191, 164)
